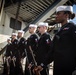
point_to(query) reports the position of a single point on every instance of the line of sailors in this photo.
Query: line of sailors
(61, 50)
(18, 48)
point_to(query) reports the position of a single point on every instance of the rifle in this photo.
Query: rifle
(35, 63)
(28, 61)
(14, 60)
(8, 66)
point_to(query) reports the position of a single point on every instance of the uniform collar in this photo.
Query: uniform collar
(43, 34)
(19, 39)
(63, 27)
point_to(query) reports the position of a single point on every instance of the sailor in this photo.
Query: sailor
(32, 42)
(13, 52)
(6, 56)
(33, 38)
(64, 43)
(44, 44)
(21, 43)
(8, 47)
(13, 43)
(21, 52)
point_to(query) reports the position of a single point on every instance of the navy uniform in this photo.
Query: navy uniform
(44, 44)
(33, 42)
(7, 54)
(64, 50)
(21, 47)
(21, 54)
(13, 53)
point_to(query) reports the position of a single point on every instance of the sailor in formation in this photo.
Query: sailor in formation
(34, 49)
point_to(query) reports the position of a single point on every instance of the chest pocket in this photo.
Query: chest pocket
(41, 41)
(65, 32)
(65, 35)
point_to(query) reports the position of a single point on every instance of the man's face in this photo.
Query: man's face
(41, 29)
(19, 34)
(13, 36)
(31, 29)
(60, 17)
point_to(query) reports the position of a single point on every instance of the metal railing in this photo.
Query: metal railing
(2, 50)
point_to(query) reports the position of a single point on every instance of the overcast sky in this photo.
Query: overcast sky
(74, 8)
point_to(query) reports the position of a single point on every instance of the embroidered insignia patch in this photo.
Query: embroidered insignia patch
(47, 41)
(36, 40)
(75, 31)
(66, 28)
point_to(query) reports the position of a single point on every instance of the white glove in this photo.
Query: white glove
(74, 72)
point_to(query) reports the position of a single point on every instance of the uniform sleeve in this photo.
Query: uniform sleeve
(48, 42)
(74, 38)
(49, 56)
(74, 33)
(24, 47)
(8, 49)
(33, 40)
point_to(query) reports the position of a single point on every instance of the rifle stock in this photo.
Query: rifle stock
(14, 60)
(8, 65)
(28, 61)
(35, 63)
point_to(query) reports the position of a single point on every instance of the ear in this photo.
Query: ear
(67, 15)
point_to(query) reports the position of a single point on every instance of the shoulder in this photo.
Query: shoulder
(47, 38)
(47, 35)
(15, 40)
(34, 36)
(23, 39)
(71, 25)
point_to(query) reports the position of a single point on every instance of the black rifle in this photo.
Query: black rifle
(6, 65)
(27, 62)
(35, 63)
(13, 59)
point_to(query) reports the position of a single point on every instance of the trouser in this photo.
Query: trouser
(27, 71)
(5, 69)
(16, 67)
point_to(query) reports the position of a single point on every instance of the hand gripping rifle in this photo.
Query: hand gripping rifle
(8, 59)
(35, 63)
(14, 60)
